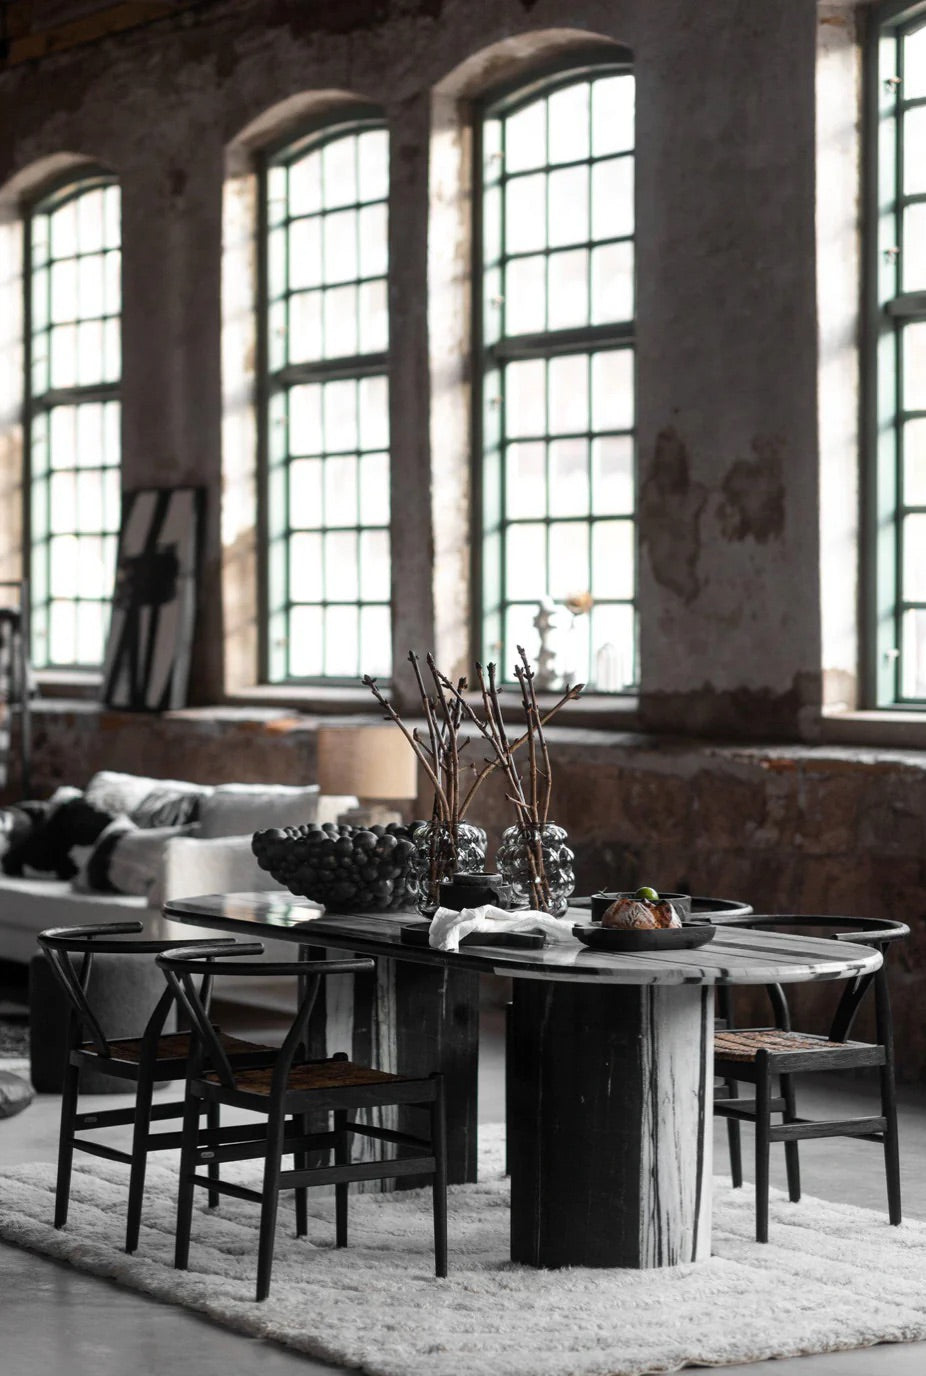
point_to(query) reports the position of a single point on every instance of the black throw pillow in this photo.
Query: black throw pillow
(21, 824)
(169, 807)
(46, 839)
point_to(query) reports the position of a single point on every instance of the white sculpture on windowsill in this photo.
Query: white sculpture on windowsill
(554, 623)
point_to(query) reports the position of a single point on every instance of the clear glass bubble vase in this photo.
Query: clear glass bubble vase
(536, 863)
(442, 850)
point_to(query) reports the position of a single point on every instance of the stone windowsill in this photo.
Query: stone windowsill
(595, 716)
(890, 729)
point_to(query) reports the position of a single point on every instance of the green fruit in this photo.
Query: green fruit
(649, 894)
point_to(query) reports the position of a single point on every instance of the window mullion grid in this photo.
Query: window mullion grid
(28, 412)
(321, 371)
(501, 466)
(356, 213)
(906, 309)
(590, 523)
(898, 347)
(45, 403)
(586, 340)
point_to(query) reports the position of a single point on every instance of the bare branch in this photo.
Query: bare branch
(410, 736)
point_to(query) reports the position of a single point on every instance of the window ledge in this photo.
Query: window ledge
(596, 710)
(316, 699)
(900, 729)
(69, 683)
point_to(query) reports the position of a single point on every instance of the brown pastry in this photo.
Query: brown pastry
(640, 914)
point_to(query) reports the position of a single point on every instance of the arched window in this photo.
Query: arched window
(555, 314)
(73, 369)
(325, 405)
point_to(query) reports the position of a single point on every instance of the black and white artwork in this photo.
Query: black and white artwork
(147, 662)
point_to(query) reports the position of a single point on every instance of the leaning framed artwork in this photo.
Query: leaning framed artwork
(147, 663)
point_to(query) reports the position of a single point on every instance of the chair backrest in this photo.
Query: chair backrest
(70, 952)
(863, 931)
(182, 964)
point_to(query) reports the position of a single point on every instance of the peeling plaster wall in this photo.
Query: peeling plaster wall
(727, 370)
(727, 334)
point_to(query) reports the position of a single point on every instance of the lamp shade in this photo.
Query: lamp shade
(368, 761)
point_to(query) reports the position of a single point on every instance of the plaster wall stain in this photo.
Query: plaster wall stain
(754, 494)
(669, 516)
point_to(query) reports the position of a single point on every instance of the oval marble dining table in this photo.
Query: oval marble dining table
(610, 1062)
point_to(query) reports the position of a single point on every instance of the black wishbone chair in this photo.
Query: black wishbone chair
(146, 1060)
(757, 1054)
(285, 1093)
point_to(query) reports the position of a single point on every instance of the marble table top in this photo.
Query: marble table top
(733, 957)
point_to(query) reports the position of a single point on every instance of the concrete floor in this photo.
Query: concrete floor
(56, 1320)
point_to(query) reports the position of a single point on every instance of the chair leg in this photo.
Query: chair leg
(734, 1139)
(140, 1134)
(891, 1142)
(439, 1187)
(69, 1096)
(191, 1111)
(792, 1152)
(763, 1124)
(213, 1122)
(271, 1194)
(508, 1020)
(300, 1163)
(341, 1158)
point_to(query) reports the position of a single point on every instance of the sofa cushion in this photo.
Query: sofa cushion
(124, 793)
(129, 860)
(219, 864)
(239, 809)
(28, 906)
(52, 839)
(20, 825)
(168, 805)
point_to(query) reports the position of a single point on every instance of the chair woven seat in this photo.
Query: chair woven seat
(759, 1056)
(316, 1075)
(743, 1045)
(70, 953)
(309, 1106)
(175, 1046)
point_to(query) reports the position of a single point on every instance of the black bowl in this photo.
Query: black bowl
(601, 902)
(349, 869)
(717, 909)
(652, 939)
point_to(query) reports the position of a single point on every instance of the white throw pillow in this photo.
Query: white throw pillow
(223, 864)
(236, 809)
(128, 859)
(122, 793)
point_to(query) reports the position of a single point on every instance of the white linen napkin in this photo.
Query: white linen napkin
(448, 928)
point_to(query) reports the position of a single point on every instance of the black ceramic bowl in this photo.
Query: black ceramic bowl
(349, 869)
(717, 909)
(652, 939)
(601, 902)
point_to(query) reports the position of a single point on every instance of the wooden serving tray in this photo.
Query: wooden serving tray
(417, 935)
(659, 939)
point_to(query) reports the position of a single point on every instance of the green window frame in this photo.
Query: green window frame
(895, 362)
(555, 417)
(325, 453)
(72, 421)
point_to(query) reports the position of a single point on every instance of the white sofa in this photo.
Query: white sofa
(190, 865)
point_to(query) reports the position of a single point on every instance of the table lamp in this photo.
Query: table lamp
(374, 762)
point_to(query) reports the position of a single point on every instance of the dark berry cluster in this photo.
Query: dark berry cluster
(349, 869)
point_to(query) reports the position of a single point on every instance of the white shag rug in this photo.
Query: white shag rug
(833, 1277)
